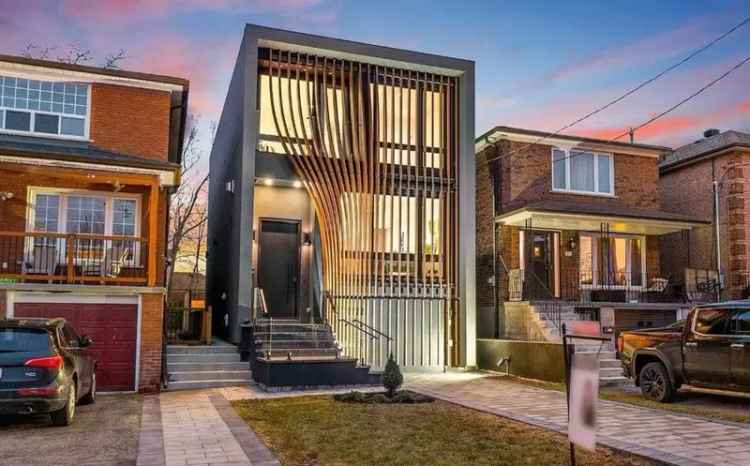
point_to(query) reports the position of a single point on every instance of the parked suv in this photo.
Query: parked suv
(710, 349)
(44, 368)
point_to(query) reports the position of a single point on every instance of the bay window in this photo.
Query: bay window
(611, 260)
(44, 108)
(583, 172)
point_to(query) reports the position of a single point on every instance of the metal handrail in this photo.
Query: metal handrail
(353, 325)
(373, 329)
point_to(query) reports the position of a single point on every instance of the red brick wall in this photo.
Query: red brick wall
(152, 317)
(689, 190)
(130, 120)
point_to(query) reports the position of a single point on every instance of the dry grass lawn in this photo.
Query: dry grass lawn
(317, 430)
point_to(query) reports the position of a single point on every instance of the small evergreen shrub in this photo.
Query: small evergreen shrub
(392, 378)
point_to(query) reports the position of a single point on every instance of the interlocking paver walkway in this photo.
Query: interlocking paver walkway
(671, 438)
(199, 427)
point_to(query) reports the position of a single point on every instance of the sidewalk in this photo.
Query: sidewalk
(668, 437)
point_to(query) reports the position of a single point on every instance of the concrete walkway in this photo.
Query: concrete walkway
(668, 437)
(197, 427)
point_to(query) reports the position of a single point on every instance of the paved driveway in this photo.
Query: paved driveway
(104, 433)
(668, 437)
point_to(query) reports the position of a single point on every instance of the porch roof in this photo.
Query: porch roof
(569, 215)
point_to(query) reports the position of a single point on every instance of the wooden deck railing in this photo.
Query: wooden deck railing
(60, 258)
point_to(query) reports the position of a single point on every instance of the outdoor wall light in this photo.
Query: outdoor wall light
(268, 181)
(571, 243)
(307, 239)
(6, 196)
(297, 184)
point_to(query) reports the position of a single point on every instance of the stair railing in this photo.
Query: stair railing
(363, 330)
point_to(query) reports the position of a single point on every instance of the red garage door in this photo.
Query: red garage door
(113, 327)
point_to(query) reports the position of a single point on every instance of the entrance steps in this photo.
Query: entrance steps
(290, 354)
(208, 366)
(610, 370)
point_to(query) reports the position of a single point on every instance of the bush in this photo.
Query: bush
(401, 396)
(392, 378)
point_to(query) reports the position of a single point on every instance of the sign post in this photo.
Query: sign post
(582, 382)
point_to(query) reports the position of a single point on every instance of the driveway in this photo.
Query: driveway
(104, 433)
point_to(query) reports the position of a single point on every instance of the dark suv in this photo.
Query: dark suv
(44, 368)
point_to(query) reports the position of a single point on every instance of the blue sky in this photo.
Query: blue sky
(539, 64)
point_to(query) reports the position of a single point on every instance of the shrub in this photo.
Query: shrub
(392, 378)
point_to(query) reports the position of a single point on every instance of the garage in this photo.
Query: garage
(112, 325)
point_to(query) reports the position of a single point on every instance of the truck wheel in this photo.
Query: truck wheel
(655, 383)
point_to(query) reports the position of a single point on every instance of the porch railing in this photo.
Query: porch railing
(693, 286)
(40, 257)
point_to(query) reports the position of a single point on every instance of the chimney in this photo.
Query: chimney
(711, 132)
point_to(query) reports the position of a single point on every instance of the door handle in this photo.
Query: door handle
(738, 345)
(691, 344)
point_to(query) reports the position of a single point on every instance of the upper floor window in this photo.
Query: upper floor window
(585, 172)
(44, 107)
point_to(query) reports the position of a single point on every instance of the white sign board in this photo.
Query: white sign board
(584, 394)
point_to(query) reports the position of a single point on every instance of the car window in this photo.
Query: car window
(741, 322)
(712, 321)
(24, 340)
(69, 337)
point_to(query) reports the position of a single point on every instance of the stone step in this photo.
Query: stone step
(195, 384)
(204, 357)
(610, 372)
(184, 349)
(613, 381)
(209, 375)
(284, 335)
(605, 363)
(206, 366)
(296, 343)
(296, 352)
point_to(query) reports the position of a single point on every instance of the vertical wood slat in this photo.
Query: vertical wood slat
(355, 111)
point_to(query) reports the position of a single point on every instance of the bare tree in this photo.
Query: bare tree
(112, 61)
(74, 55)
(188, 208)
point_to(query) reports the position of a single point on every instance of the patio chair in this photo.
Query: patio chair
(121, 255)
(657, 291)
(41, 260)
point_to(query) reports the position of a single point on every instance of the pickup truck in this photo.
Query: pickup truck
(709, 349)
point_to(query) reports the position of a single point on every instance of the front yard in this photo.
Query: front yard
(316, 430)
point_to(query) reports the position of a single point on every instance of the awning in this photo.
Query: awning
(564, 215)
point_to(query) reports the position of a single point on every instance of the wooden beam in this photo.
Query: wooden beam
(153, 234)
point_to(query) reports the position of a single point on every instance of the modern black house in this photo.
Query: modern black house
(342, 204)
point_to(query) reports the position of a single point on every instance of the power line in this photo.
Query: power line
(630, 92)
(686, 99)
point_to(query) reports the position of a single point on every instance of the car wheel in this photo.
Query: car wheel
(64, 417)
(655, 383)
(90, 397)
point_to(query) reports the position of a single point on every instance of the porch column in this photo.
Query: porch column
(153, 225)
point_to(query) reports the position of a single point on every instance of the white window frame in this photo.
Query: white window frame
(65, 193)
(86, 118)
(596, 155)
(594, 285)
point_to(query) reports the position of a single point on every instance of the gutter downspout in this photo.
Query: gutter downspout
(718, 237)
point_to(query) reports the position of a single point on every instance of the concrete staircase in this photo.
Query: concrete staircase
(610, 370)
(217, 365)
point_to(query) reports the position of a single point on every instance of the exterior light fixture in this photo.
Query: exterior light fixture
(571, 243)
(297, 184)
(6, 196)
(307, 239)
(268, 181)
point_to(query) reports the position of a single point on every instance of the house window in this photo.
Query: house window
(611, 260)
(582, 172)
(44, 107)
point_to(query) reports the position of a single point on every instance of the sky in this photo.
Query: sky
(539, 64)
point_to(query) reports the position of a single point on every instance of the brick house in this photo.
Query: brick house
(568, 230)
(686, 184)
(88, 159)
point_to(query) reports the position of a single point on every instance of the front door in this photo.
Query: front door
(278, 265)
(540, 265)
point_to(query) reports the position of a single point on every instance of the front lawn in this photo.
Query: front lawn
(316, 430)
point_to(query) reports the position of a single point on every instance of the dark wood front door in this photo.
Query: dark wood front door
(540, 276)
(278, 266)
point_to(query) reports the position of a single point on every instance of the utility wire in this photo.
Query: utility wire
(630, 92)
(686, 99)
